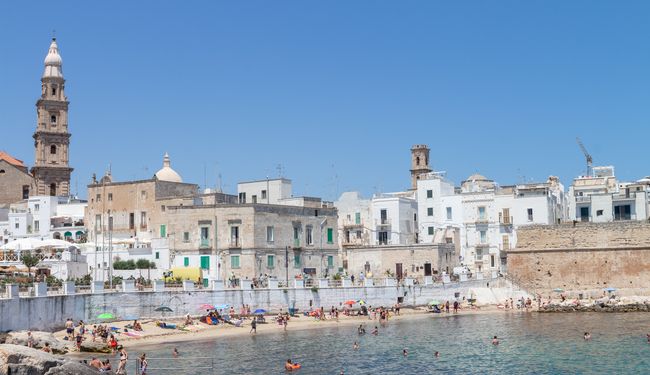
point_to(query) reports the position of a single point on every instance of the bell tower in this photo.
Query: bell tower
(419, 163)
(51, 139)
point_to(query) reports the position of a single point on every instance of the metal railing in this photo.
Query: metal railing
(176, 365)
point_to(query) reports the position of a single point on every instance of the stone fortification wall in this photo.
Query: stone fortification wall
(585, 257)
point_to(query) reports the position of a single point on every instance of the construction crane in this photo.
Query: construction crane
(587, 156)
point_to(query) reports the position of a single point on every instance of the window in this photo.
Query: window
(131, 220)
(296, 236)
(2, 171)
(483, 236)
(53, 119)
(357, 218)
(599, 212)
(53, 149)
(382, 237)
(622, 212)
(157, 254)
(310, 237)
(330, 235)
(110, 197)
(25, 191)
(430, 231)
(143, 220)
(110, 223)
(54, 90)
(330, 261)
(17, 225)
(143, 194)
(36, 226)
(98, 198)
(429, 193)
(448, 213)
(359, 234)
(163, 231)
(254, 197)
(505, 213)
(417, 160)
(234, 261)
(492, 262)
(530, 214)
(384, 216)
(186, 236)
(204, 235)
(506, 242)
(296, 260)
(234, 236)
(264, 194)
(52, 189)
(242, 198)
(186, 261)
(269, 234)
(270, 261)
(37, 207)
(205, 262)
(98, 222)
(429, 211)
(481, 213)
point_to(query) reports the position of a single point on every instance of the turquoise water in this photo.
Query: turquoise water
(530, 344)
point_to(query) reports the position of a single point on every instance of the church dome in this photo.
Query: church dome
(477, 177)
(167, 173)
(53, 62)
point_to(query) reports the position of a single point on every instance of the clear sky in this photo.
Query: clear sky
(335, 91)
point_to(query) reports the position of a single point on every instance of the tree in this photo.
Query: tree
(29, 260)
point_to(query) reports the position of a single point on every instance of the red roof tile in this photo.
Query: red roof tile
(11, 160)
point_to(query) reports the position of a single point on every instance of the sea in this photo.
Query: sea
(530, 343)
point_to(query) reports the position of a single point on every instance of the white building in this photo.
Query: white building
(355, 218)
(602, 198)
(394, 219)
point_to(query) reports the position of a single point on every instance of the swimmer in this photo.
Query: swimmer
(375, 331)
(355, 346)
(288, 366)
(361, 330)
(175, 352)
(405, 352)
(495, 341)
(587, 336)
(436, 354)
(647, 335)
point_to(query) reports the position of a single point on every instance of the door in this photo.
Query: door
(427, 269)
(584, 213)
(398, 270)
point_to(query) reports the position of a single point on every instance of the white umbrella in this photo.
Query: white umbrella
(23, 244)
(57, 244)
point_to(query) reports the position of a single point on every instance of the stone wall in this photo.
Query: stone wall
(12, 181)
(582, 257)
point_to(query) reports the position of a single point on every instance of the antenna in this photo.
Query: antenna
(587, 156)
(280, 170)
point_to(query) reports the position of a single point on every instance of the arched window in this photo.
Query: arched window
(53, 119)
(53, 189)
(417, 160)
(53, 149)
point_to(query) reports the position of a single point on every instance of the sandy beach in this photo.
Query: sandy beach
(153, 335)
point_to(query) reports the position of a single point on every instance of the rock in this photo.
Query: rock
(40, 338)
(95, 347)
(21, 360)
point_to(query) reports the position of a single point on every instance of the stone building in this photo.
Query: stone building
(583, 258)
(15, 181)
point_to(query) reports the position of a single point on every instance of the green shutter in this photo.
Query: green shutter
(330, 235)
(186, 262)
(205, 262)
(296, 260)
(163, 231)
(330, 261)
(357, 218)
(270, 261)
(234, 261)
(157, 255)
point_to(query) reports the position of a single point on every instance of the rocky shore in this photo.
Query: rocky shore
(596, 307)
(21, 360)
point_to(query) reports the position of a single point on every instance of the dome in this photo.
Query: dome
(477, 177)
(53, 62)
(167, 173)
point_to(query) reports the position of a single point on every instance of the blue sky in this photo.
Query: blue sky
(336, 92)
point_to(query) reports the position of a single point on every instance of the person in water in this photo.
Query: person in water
(175, 352)
(436, 354)
(355, 346)
(290, 366)
(375, 331)
(405, 352)
(361, 330)
(587, 336)
(495, 341)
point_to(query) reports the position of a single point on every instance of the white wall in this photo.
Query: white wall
(277, 189)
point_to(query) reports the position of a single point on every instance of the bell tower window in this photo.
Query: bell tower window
(53, 149)
(53, 90)
(53, 119)
(52, 189)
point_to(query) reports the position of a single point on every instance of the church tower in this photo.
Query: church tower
(419, 163)
(51, 139)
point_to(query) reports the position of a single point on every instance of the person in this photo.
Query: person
(253, 326)
(436, 354)
(69, 329)
(375, 331)
(78, 340)
(46, 348)
(175, 352)
(352, 279)
(289, 366)
(362, 331)
(587, 336)
(112, 342)
(447, 307)
(647, 335)
(95, 363)
(456, 307)
(285, 322)
(106, 366)
(30, 339)
(124, 357)
(405, 352)
(495, 341)
(143, 364)
(355, 346)
(137, 326)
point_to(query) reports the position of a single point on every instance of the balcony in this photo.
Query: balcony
(625, 196)
(296, 243)
(482, 245)
(481, 220)
(235, 243)
(583, 199)
(382, 222)
(205, 243)
(506, 221)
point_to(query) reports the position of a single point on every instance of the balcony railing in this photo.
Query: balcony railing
(205, 243)
(382, 222)
(583, 199)
(625, 196)
(481, 220)
(506, 220)
(482, 245)
(235, 243)
(296, 243)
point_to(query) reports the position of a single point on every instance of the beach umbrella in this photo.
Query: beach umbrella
(222, 306)
(610, 289)
(350, 302)
(259, 311)
(435, 302)
(164, 309)
(206, 306)
(558, 290)
(105, 316)
(361, 302)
